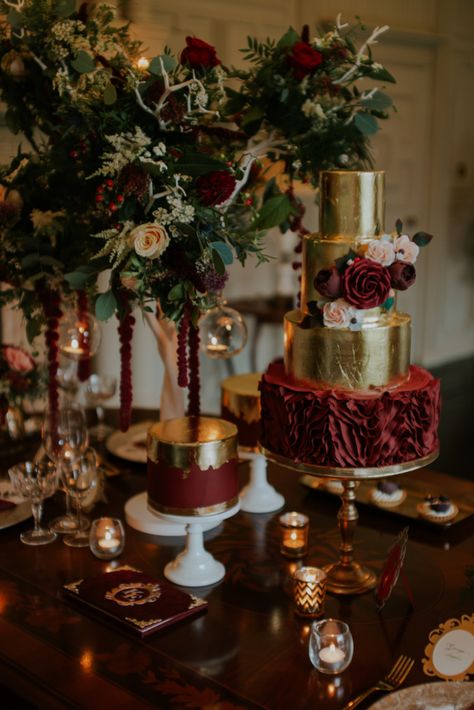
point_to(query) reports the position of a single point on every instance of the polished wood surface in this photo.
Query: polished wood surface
(250, 649)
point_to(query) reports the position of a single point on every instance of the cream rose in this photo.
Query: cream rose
(338, 314)
(129, 282)
(17, 359)
(149, 240)
(405, 249)
(382, 252)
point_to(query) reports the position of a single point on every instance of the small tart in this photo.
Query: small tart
(387, 494)
(437, 510)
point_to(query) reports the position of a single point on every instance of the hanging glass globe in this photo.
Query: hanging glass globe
(223, 332)
(79, 335)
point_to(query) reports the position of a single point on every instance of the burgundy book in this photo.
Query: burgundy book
(137, 601)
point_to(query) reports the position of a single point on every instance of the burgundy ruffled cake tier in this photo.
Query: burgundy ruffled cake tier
(329, 427)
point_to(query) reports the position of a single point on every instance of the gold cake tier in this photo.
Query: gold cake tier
(241, 396)
(354, 360)
(351, 214)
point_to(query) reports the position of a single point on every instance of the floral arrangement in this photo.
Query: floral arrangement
(152, 169)
(20, 378)
(367, 278)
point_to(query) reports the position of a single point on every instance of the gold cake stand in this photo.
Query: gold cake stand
(348, 576)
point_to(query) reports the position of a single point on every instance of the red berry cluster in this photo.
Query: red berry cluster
(125, 331)
(194, 401)
(107, 194)
(51, 303)
(182, 354)
(84, 365)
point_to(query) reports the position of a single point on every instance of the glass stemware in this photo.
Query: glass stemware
(99, 388)
(65, 437)
(79, 478)
(35, 481)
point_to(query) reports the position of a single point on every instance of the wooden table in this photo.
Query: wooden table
(249, 650)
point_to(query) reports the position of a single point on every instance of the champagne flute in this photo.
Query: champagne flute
(35, 481)
(79, 478)
(64, 435)
(99, 388)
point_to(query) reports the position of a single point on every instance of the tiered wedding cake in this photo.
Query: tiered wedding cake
(346, 395)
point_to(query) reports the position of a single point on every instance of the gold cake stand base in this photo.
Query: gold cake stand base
(348, 576)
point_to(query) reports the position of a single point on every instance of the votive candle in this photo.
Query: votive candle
(309, 591)
(294, 528)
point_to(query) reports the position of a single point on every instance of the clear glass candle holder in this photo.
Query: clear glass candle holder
(294, 534)
(330, 646)
(309, 591)
(106, 538)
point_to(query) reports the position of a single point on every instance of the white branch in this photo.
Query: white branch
(361, 53)
(15, 5)
(38, 61)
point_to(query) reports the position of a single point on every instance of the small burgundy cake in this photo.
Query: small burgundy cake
(192, 466)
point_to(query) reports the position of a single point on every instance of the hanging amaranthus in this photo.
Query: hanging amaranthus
(194, 401)
(84, 365)
(51, 307)
(125, 331)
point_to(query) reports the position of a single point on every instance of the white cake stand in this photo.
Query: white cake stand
(258, 496)
(140, 517)
(194, 566)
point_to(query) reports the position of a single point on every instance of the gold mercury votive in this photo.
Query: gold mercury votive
(309, 591)
(294, 530)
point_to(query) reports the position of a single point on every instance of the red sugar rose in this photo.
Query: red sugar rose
(402, 275)
(366, 284)
(304, 59)
(215, 188)
(199, 54)
(328, 282)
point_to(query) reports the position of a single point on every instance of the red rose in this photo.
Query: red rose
(329, 283)
(199, 54)
(215, 188)
(366, 283)
(402, 275)
(304, 59)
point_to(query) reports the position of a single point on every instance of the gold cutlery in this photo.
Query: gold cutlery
(392, 681)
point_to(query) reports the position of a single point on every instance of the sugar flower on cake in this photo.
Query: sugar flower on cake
(406, 249)
(381, 251)
(149, 240)
(402, 275)
(338, 314)
(329, 283)
(366, 283)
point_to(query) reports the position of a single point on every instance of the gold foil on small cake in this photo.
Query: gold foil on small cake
(351, 205)
(352, 360)
(241, 397)
(203, 510)
(204, 441)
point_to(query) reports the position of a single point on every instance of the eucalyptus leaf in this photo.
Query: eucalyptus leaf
(218, 263)
(289, 38)
(46, 260)
(105, 305)
(378, 101)
(83, 62)
(64, 8)
(110, 94)
(177, 293)
(366, 123)
(169, 64)
(196, 164)
(30, 260)
(15, 18)
(224, 252)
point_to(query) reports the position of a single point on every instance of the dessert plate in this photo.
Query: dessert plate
(130, 445)
(21, 511)
(429, 696)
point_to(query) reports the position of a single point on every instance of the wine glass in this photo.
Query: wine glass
(35, 481)
(79, 478)
(64, 435)
(99, 388)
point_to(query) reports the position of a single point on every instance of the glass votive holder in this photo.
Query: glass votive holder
(309, 591)
(294, 534)
(106, 538)
(330, 646)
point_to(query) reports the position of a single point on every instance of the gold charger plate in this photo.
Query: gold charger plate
(429, 696)
(130, 445)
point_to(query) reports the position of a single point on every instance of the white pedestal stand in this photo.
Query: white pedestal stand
(140, 518)
(258, 496)
(195, 567)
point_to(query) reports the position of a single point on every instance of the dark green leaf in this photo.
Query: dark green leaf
(64, 8)
(110, 94)
(388, 304)
(274, 211)
(366, 123)
(196, 164)
(422, 239)
(15, 18)
(46, 260)
(177, 293)
(379, 101)
(380, 74)
(218, 263)
(289, 38)
(105, 305)
(254, 114)
(224, 252)
(83, 63)
(399, 226)
(169, 64)
(33, 328)
(30, 260)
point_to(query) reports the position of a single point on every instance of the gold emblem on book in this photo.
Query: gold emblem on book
(142, 624)
(134, 593)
